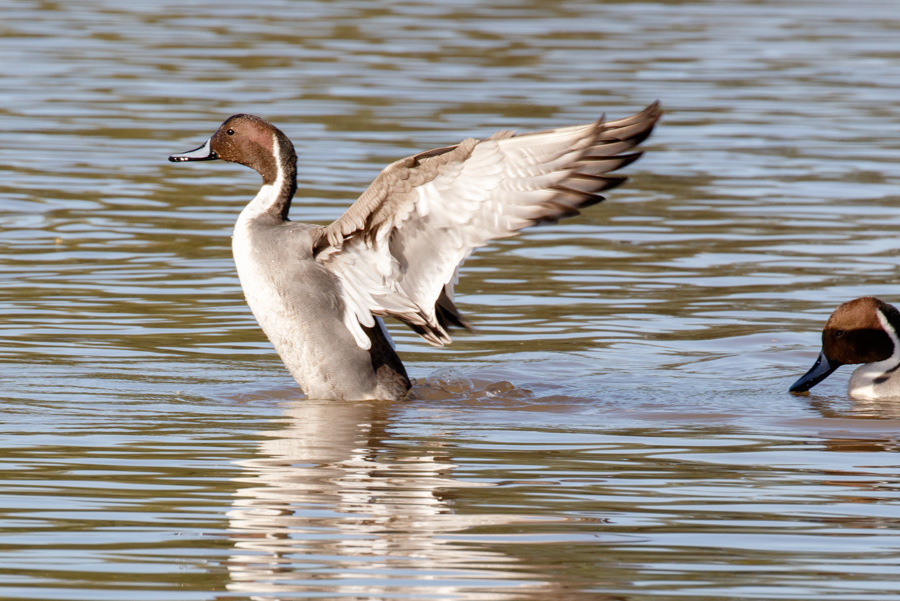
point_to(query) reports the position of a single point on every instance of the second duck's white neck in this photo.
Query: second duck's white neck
(882, 378)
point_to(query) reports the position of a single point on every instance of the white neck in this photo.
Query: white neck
(269, 193)
(865, 384)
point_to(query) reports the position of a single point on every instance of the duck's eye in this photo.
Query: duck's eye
(230, 132)
(838, 333)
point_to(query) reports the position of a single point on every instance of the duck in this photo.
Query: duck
(320, 293)
(863, 330)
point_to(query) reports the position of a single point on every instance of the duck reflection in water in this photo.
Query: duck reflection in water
(333, 504)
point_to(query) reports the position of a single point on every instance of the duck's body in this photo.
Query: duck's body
(298, 304)
(874, 381)
(319, 292)
(864, 330)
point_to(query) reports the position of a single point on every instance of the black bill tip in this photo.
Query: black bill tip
(820, 370)
(203, 153)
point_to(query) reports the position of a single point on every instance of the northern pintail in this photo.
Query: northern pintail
(319, 292)
(863, 330)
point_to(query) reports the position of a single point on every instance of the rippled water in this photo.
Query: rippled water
(618, 428)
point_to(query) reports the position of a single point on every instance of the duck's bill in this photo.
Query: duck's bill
(204, 153)
(820, 370)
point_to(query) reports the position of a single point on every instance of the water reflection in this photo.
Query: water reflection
(365, 499)
(333, 504)
(840, 406)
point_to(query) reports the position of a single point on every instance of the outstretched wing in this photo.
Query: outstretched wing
(397, 250)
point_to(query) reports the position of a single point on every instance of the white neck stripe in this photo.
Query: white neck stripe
(892, 334)
(269, 193)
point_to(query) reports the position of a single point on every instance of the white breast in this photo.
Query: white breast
(258, 288)
(296, 302)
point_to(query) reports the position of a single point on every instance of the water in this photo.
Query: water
(618, 428)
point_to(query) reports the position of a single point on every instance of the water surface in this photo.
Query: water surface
(618, 427)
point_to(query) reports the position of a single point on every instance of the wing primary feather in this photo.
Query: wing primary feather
(601, 165)
(448, 315)
(594, 183)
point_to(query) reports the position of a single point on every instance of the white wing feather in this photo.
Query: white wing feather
(397, 250)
